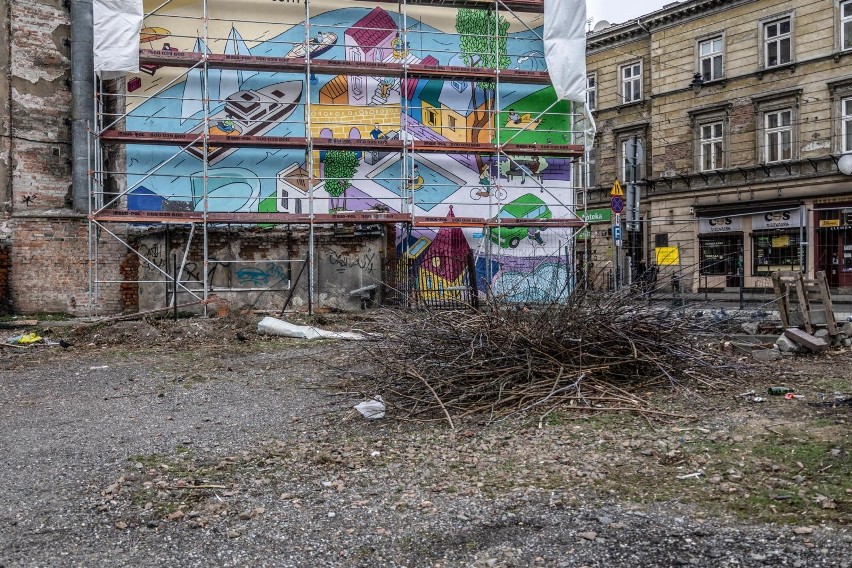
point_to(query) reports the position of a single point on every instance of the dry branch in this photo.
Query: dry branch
(593, 353)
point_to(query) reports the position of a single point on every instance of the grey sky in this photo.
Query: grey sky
(619, 11)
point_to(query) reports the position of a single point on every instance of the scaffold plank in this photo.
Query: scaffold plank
(528, 6)
(423, 146)
(334, 67)
(344, 217)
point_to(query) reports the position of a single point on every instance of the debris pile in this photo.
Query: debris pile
(593, 353)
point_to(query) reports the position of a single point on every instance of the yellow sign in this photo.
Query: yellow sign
(667, 256)
(616, 189)
(823, 223)
(781, 241)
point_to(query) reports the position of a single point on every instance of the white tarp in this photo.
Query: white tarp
(117, 26)
(565, 47)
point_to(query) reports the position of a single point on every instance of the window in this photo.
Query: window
(846, 124)
(592, 91)
(710, 58)
(459, 85)
(778, 135)
(631, 155)
(584, 170)
(431, 117)
(451, 123)
(775, 251)
(592, 178)
(777, 38)
(711, 153)
(720, 255)
(846, 25)
(631, 82)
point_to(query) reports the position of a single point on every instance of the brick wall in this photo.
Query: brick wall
(343, 264)
(4, 277)
(44, 266)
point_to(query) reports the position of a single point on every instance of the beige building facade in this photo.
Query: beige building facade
(731, 119)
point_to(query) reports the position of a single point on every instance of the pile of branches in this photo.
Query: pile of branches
(593, 353)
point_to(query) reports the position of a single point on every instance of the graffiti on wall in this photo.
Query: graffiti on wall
(261, 103)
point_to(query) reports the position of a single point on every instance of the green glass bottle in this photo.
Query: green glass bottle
(779, 390)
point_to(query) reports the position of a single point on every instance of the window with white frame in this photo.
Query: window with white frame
(846, 124)
(631, 82)
(846, 25)
(631, 155)
(778, 135)
(712, 146)
(778, 42)
(710, 58)
(592, 92)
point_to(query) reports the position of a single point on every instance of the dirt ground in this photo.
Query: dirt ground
(199, 443)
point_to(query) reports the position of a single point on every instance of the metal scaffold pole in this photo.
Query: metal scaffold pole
(206, 154)
(309, 162)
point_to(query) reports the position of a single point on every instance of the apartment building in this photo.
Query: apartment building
(732, 118)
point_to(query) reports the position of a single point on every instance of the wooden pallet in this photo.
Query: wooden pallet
(804, 302)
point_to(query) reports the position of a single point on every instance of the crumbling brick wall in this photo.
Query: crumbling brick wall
(4, 277)
(48, 252)
(249, 260)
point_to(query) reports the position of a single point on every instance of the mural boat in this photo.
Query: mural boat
(249, 113)
(317, 47)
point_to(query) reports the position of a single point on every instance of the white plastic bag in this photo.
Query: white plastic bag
(274, 326)
(372, 409)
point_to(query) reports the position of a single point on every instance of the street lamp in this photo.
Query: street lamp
(844, 164)
(697, 82)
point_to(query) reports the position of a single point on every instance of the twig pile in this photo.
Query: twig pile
(592, 353)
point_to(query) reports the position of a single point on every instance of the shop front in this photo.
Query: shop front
(720, 251)
(833, 244)
(592, 244)
(777, 239)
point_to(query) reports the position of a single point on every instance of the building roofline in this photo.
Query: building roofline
(643, 26)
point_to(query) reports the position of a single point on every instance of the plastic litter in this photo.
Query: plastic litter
(25, 339)
(275, 326)
(372, 409)
(691, 475)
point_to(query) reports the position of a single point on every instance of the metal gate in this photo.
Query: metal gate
(442, 281)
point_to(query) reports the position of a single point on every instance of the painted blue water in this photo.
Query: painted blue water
(435, 187)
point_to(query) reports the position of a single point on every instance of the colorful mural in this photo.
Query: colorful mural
(259, 103)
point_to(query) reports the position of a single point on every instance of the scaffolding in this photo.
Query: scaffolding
(213, 125)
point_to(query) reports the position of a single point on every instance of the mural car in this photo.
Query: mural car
(527, 206)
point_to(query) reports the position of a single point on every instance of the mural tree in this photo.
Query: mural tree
(340, 166)
(482, 43)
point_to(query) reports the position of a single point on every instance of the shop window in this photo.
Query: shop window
(775, 251)
(720, 255)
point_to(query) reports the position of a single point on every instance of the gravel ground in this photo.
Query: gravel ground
(176, 444)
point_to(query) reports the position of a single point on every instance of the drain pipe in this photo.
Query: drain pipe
(82, 99)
